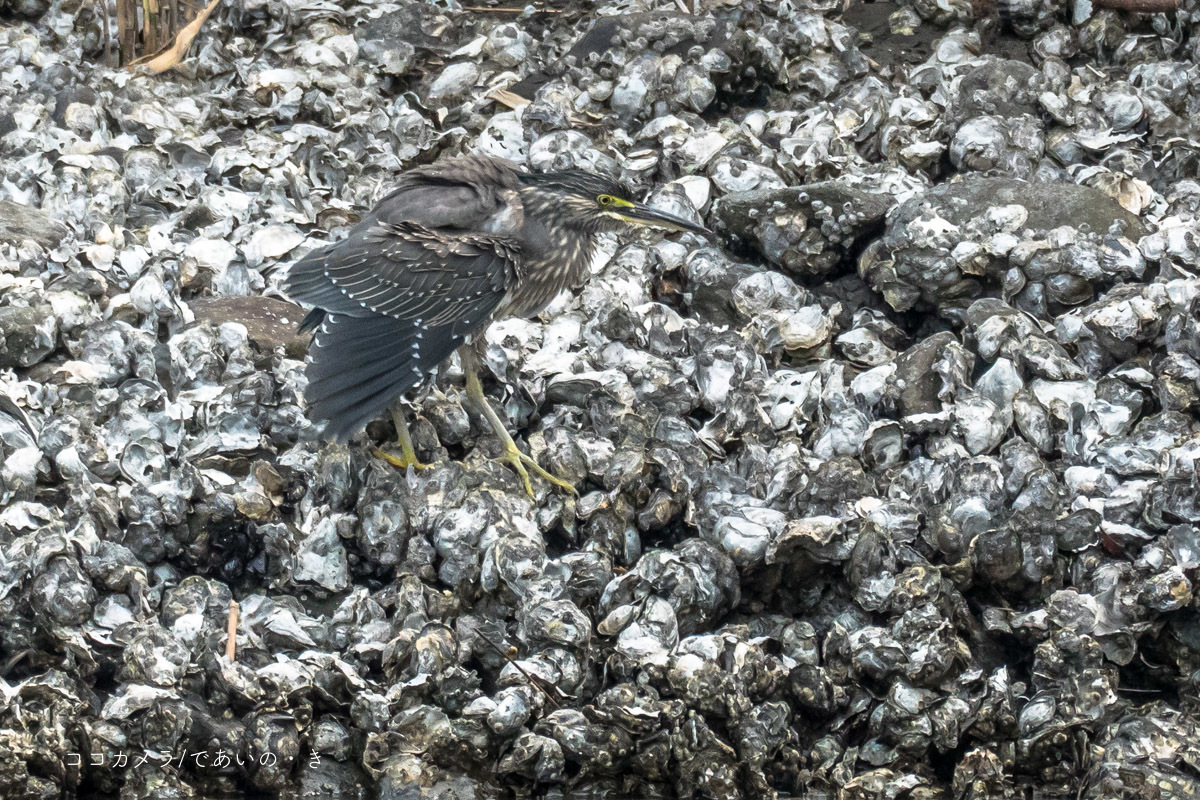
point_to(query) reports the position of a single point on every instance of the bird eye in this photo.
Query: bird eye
(605, 199)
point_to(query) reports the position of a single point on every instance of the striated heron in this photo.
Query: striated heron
(455, 245)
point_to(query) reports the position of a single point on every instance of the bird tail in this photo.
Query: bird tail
(361, 364)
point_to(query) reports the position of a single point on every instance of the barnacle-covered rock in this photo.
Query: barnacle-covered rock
(807, 230)
(1045, 247)
(697, 580)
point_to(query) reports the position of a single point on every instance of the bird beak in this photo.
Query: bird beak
(640, 214)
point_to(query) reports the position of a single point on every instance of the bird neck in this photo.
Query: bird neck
(545, 239)
(557, 245)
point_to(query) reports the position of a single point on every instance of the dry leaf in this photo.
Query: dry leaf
(505, 97)
(173, 53)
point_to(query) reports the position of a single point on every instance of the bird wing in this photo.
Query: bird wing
(401, 292)
(408, 272)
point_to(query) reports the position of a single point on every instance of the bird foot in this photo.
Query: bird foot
(400, 462)
(520, 461)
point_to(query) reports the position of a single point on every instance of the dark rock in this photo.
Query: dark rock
(27, 335)
(1000, 236)
(1050, 205)
(918, 383)
(709, 289)
(807, 230)
(393, 39)
(72, 94)
(19, 223)
(683, 33)
(323, 777)
(1001, 87)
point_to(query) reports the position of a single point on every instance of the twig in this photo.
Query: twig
(231, 631)
(534, 680)
(1140, 6)
(682, 6)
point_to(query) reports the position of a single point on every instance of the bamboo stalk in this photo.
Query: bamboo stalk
(127, 30)
(147, 36)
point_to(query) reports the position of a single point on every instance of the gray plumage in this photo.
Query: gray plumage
(455, 245)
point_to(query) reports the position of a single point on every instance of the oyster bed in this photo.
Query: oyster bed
(889, 490)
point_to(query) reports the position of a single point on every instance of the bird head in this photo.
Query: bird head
(595, 203)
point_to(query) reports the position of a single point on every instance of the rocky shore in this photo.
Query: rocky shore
(888, 490)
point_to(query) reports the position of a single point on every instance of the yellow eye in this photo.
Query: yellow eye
(605, 199)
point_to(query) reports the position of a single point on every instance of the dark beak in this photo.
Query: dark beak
(645, 215)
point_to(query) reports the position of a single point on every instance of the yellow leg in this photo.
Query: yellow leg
(512, 454)
(408, 456)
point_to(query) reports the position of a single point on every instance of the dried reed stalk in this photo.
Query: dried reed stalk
(154, 32)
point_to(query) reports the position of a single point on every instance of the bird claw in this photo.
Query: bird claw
(520, 461)
(400, 462)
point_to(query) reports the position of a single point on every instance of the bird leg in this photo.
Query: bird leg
(408, 455)
(512, 454)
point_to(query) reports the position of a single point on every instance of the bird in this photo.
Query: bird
(455, 245)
